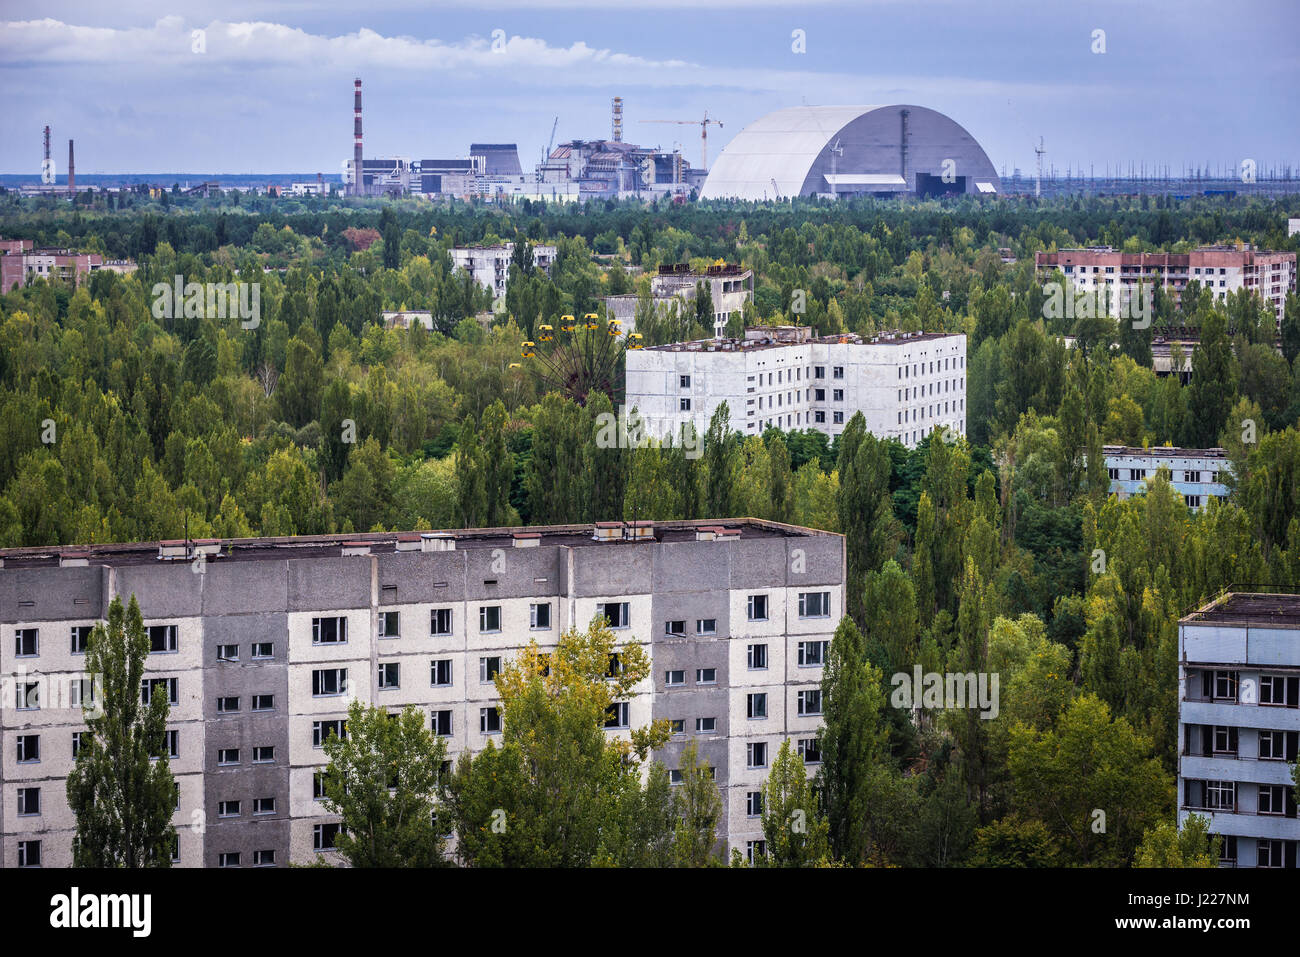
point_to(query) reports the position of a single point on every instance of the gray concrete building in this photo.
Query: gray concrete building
(262, 643)
(1239, 721)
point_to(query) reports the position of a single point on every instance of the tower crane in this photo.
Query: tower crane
(704, 134)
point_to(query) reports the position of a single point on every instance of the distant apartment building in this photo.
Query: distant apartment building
(1239, 720)
(260, 644)
(490, 265)
(1223, 269)
(906, 385)
(20, 264)
(1196, 474)
(730, 287)
(405, 318)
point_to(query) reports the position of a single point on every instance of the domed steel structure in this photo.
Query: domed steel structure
(839, 151)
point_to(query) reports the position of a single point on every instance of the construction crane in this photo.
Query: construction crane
(549, 146)
(704, 134)
(1038, 181)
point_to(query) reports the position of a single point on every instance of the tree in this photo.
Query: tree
(1167, 846)
(1214, 382)
(560, 791)
(382, 779)
(865, 507)
(471, 494)
(698, 808)
(121, 788)
(853, 742)
(721, 452)
(497, 465)
(795, 830)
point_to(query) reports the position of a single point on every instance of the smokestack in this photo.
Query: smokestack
(616, 119)
(358, 183)
(72, 170)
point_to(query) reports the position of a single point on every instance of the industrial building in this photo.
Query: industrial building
(1223, 269)
(1196, 474)
(836, 151)
(730, 287)
(906, 385)
(1239, 721)
(261, 649)
(490, 265)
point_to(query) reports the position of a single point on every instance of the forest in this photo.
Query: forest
(998, 553)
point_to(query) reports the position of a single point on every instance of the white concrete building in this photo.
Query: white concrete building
(1196, 474)
(490, 265)
(906, 384)
(1239, 722)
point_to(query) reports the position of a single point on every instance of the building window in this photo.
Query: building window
(27, 642)
(150, 686)
(264, 805)
(837, 418)
(1228, 851)
(618, 715)
(227, 809)
(227, 705)
(685, 381)
(263, 649)
(329, 681)
(440, 672)
(1278, 745)
(29, 853)
(321, 730)
(227, 652)
(756, 657)
(1272, 799)
(819, 372)
(754, 804)
(29, 748)
(440, 721)
(706, 725)
(318, 785)
(29, 802)
(1221, 795)
(1279, 690)
(675, 776)
(227, 756)
(755, 849)
(80, 638)
(615, 612)
(837, 372)
(837, 395)
(756, 754)
(810, 702)
(329, 631)
(162, 638)
(264, 754)
(390, 675)
(684, 404)
(810, 749)
(757, 608)
(706, 626)
(264, 858)
(1225, 685)
(263, 702)
(323, 835)
(815, 604)
(390, 624)
(819, 416)
(812, 653)
(756, 705)
(675, 629)
(677, 725)
(488, 669)
(1270, 853)
(706, 676)
(489, 720)
(228, 859)
(489, 618)
(539, 616)
(440, 621)
(1225, 740)
(819, 395)
(674, 678)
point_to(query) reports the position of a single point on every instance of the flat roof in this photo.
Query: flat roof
(1249, 608)
(1164, 451)
(330, 546)
(751, 345)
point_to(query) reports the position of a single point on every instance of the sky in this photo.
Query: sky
(1185, 82)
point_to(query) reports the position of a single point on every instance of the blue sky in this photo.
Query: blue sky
(1191, 81)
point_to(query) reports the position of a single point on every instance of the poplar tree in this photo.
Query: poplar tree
(121, 788)
(793, 826)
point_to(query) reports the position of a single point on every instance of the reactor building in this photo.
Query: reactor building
(834, 151)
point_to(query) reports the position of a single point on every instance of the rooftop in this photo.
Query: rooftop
(1249, 608)
(329, 546)
(751, 345)
(1164, 451)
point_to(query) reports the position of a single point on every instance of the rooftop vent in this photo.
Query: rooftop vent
(173, 550)
(210, 547)
(437, 542)
(608, 532)
(640, 532)
(408, 543)
(356, 548)
(527, 539)
(74, 559)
